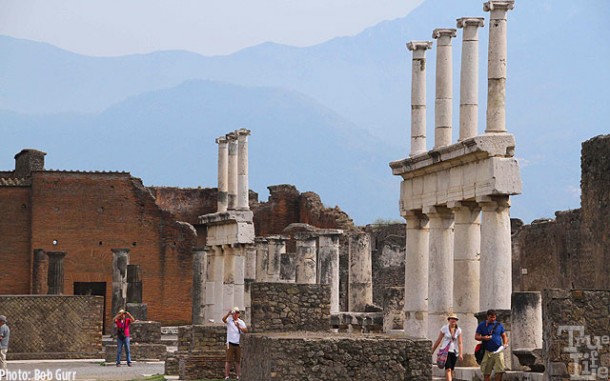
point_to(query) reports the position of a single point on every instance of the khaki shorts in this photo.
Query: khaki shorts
(233, 353)
(492, 362)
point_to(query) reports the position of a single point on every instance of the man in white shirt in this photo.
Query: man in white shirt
(235, 327)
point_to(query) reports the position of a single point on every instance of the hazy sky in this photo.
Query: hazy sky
(118, 27)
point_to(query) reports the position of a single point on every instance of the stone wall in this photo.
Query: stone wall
(306, 356)
(595, 200)
(576, 334)
(53, 326)
(284, 307)
(388, 251)
(200, 354)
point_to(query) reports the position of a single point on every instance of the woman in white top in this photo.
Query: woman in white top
(450, 335)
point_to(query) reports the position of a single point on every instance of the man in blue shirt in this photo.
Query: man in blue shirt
(495, 340)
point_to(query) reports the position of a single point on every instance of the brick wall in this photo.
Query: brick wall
(15, 253)
(91, 213)
(283, 307)
(307, 356)
(576, 334)
(53, 326)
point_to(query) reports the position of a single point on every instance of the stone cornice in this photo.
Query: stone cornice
(468, 150)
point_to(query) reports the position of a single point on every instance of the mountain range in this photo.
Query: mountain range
(326, 118)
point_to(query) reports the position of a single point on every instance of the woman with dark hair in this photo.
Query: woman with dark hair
(451, 338)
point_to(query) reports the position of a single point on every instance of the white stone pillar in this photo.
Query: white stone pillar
(496, 65)
(328, 264)
(199, 285)
(262, 258)
(306, 258)
(496, 257)
(239, 262)
(360, 286)
(228, 283)
(466, 275)
(232, 170)
(416, 275)
(526, 321)
(418, 96)
(214, 285)
(443, 103)
(469, 76)
(223, 173)
(277, 248)
(242, 169)
(440, 277)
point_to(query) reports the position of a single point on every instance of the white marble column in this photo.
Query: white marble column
(496, 256)
(232, 170)
(416, 275)
(214, 285)
(242, 169)
(228, 280)
(239, 263)
(440, 277)
(199, 285)
(306, 258)
(466, 275)
(443, 103)
(360, 286)
(418, 96)
(469, 76)
(328, 264)
(496, 65)
(277, 248)
(223, 173)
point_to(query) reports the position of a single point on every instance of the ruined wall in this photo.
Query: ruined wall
(39, 330)
(334, 357)
(285, 307)
(576, 329)
(15, 232)
(286, 205)
(572, 251)
(186, 204)
(595, 203)
(91, 213)
(547, 253)
(388, 250)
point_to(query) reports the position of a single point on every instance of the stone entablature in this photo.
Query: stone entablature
(472, 169)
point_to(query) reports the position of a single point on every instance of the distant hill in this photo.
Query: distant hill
(167, 138)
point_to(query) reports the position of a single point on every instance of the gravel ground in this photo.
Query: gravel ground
(70, 370)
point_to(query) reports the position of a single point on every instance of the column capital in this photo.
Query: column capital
(498, 203)
(463, 205)
(221, 140)
(464, 22)
(498, 5)
(120, 250)
(242, 133)
(419, 45)
(56, 254)
(231, 136)
(438, 211)
(444, 32)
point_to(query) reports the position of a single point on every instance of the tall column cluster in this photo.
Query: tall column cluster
(455, 198)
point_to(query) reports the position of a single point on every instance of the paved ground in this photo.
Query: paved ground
(70, 370)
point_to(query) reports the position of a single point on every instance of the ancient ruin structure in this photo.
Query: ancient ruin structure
(455, 197)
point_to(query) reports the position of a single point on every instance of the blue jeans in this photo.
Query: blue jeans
(120, 344)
